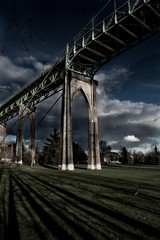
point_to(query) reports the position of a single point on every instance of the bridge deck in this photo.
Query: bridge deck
(94, 46)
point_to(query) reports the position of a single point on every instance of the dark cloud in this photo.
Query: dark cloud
(43, 28)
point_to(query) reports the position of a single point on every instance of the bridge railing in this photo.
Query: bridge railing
(86, 31)
(103, 18)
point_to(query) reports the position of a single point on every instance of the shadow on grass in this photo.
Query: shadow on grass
(1, 220)
(54, 167)
(55, 227)
(50, 166)
(96, 210)
(1, 172)
(12, 217)
(121, 187)
(3, 204)
(93, 211)
(78, 212)
(81, 166)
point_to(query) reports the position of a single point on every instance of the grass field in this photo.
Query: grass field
(44, 203)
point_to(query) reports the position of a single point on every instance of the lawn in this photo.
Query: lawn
(44, 203)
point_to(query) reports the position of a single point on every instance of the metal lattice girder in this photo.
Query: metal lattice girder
(40, 88)
(128, 31)
(95, 45)
(116, 33)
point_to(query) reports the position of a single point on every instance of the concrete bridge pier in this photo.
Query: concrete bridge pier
(93, 139)
(3, 133)
(23, 111)
(32, 135)
(66, 149)
(72, 84)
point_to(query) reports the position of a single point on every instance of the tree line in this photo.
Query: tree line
(124, 156)
(50, 153)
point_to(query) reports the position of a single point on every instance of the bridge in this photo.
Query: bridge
(115, 29)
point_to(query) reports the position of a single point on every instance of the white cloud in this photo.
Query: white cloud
(113, 78)
(126, 118)
(14, 75)
(9, 139)
(30, 60)
(144, 148)
(110, 143)
(132, 112)
(10, 71)
(131, 138)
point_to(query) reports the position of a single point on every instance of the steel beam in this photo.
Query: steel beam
(117, 39)
(106, 46)
(142, 23)
(88, 58)
(95, 52)
(129, 32)
(153, 10)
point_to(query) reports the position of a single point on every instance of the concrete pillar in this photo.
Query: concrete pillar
(3, 133)
(66, 157)
(32, 135)
(93, 140)
(23, 111)
(19, 134)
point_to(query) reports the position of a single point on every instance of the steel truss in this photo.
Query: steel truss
(125, 27)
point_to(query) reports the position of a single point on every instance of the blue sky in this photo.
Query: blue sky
(128, 100)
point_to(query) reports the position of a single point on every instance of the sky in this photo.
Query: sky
(33, 34)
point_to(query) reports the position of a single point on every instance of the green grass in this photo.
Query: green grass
(44, 203)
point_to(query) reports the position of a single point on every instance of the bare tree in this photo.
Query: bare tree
(104, 149)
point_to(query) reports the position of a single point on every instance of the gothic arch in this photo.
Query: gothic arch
(80, 89)
(73, 84)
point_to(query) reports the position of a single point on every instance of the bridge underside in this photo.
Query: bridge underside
(129, 25)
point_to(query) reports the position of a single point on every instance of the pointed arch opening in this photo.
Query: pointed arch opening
(80, 127)
(27, 118)
(25, 133)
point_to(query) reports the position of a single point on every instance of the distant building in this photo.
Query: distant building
(112, 158)
(7, 153)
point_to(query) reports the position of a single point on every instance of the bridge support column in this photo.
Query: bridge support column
(66, 158)
(23, 111)
(93, 141)
(32, 136)
(72, 84)
(19, 134)
(3, 133)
